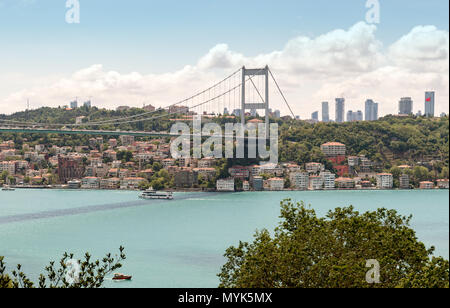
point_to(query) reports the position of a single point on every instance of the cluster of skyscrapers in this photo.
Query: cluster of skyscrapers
(371, 110)
(406, 105)
(74, 104)
(341, 116)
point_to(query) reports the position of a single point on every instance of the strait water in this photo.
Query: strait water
(178, 243)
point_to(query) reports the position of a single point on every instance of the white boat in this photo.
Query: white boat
(152, 194)
(7, 188)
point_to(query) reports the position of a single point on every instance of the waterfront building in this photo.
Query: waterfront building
(245, 186)
(329, 180)
(315, 182)
(131, 183)
(186, 178)
(275, 184)
(74, 184)
(405, 106)
(426, 185)
(111, 183)
(443, 184)
(90, 183)
(340, 110)
(299, 180)
(333, 149)
(385, 181)
(258, 183)
(70, 168)
(325, 112)
(345, 183)
(404, 181)
(429, 104)
(225, 185)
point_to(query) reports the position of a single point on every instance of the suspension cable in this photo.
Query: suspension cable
(281, 92)
(129, 117)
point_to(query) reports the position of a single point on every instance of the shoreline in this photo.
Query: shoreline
(198, 190)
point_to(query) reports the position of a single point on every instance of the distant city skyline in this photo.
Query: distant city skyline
(162, 52)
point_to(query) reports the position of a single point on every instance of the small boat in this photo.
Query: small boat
(152, 194)
(121, 277)
(7, 188)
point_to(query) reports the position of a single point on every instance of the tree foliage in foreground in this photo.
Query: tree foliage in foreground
(91, 274)
(311, 252)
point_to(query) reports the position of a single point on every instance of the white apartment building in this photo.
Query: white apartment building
(225, 185)
(315, 182)
(276, 184)
(385, 181)
(333, 149)
(299, 180)
(90, 183)
(329, 180)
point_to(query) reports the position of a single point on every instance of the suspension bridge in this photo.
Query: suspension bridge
(243, 90)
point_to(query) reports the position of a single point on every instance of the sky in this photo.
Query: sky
(136, 51)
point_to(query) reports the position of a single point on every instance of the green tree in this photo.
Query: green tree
(311, 252)
(91, 275)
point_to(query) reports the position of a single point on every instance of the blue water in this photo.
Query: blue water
(178, 243)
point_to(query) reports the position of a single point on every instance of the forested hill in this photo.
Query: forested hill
(386, 141)
(389, 139)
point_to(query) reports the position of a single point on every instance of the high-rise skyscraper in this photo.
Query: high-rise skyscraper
(405, 106)
(340, 110)
(325, 112)
(354, 116)
(315, 116)
(350, 116)
(371, 110)
(429, 104)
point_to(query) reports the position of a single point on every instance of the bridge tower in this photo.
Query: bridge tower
(254, 105)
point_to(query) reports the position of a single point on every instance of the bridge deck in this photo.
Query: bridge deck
(82, 132)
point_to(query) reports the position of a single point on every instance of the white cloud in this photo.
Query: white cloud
(352, 63)
(424, 49)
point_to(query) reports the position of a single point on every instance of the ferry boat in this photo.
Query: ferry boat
(7, 188)
(152, 194)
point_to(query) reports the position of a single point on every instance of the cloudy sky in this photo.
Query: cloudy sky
(130, 52)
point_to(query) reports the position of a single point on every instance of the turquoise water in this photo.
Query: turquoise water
(178, 243)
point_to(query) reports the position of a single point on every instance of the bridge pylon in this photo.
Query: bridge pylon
(254, 105)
